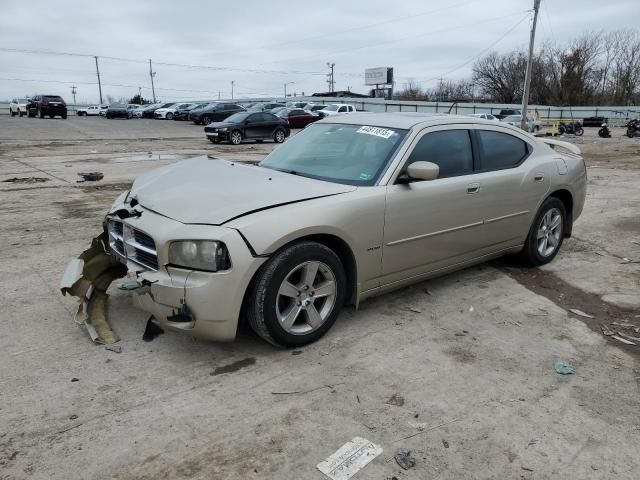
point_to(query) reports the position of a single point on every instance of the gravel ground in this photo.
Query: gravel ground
(468, 358)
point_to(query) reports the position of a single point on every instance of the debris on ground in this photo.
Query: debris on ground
(606, 331)
(415, 310)
(128, 286)
(349, 459)
(629, 337)
(396, 399)
(580, 313)
(404, 459)
(114, 348)
(445, 444)
(564, 368)
(90, 176)
(623, 340)
(152, 330)
(74, 379)
(26, 180)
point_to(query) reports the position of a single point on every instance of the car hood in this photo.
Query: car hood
(211, 191)
(222, 124)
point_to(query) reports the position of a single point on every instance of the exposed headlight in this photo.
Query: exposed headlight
(205, 255)
(222, 129)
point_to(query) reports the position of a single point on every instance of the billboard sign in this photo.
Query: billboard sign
(378, 76)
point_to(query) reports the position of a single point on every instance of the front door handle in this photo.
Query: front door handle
(473, 188)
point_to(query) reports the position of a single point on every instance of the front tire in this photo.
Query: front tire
(579, 131)
(13, 114)
(279, 136)
(206, 120)
(546, 233)
(169, 116)
(235, 137)
(41, 114)
(297, 295)
(22, 114)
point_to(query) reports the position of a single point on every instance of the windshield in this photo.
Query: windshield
(237, 117)
(332, 108)
(348, 154)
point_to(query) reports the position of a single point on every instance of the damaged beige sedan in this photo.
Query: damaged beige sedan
(350, 207)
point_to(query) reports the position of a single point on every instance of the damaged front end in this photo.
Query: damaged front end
(88, 277)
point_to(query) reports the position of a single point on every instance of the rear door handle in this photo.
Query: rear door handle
(538, 178)
(473, 188)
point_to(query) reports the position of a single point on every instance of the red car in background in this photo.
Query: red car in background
(297, 117)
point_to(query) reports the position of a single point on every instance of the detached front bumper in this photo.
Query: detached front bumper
(213, 300)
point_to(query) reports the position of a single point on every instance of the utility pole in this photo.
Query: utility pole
(527, 77)
(153, 88)
(140, 93)
(331, 80)
(99, 84)
(74, 89)
(232, 84)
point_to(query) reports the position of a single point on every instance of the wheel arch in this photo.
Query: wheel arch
(566, 197)
(338, 245)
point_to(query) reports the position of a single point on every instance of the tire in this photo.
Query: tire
(543, 243)
(22, 114)
(41, 113)
(270, 304)
(206, 120)
(561, 130)
(279, 136)
(579, 131)
(51, 116)
(630, 132)
(64, 116)
(169, 116)
(13, 114)
(235, 137)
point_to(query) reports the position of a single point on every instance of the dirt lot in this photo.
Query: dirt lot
(471, 354)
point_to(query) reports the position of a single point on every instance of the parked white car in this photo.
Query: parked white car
(533, 126)
(486, 116)
(18, 106)
(91, 110)
(167, 113)
(336, 108)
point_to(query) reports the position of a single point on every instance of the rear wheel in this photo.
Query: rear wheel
(235, 137)
(41, 114)
(22, 114)
(297, 295)
(279, 136)
(206, 120)
(64, 116)
(546, 234)
(13, 114)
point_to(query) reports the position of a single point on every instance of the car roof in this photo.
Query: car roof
(405, 120)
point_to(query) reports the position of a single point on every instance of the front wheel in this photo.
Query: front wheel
(13, 114)
(235, 137)
(297, 295)
(64, 116)
(546, 233)
(206, 120)
(579, 131)
(279, 136)
(169, 116)
(22, 114)
(41, 114)
(630, 132)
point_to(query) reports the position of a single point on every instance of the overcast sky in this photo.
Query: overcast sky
(260, 45)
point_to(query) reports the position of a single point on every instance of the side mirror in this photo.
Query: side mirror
(423, 170)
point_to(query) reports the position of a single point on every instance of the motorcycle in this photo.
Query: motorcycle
(633, 128)
(604, 131)
(571, 128)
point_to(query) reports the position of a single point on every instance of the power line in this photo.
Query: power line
(479, 54)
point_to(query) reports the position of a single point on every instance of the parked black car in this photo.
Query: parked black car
(241, 126)
(214, 112)
(149, 111)
(183, 113)
(594, 121)
(119, 110)
(43, 105)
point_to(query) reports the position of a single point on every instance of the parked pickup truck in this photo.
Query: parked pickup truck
(91, 110)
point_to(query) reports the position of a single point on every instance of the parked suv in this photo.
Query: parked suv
(43, 105)
(18, 106)
(215, 112)
(508, 112)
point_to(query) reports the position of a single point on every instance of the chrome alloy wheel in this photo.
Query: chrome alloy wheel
(306, 298)
(236, 137)
(549, 232)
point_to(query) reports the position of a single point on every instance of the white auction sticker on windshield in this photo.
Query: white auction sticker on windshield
(377, 131)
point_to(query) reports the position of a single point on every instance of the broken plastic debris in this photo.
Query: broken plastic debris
(395, 399)
(580, 313)
(606, 331)
(90, 176)
(623, 340)
(349, 459)
(564, 368)
(404, 459)
(114, 348)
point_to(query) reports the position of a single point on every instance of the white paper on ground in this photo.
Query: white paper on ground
(349, 459)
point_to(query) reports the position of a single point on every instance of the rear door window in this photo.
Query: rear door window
(500, 150)
(449, 149)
